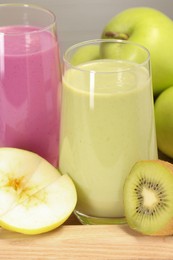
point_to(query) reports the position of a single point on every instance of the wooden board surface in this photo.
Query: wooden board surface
(102, 242)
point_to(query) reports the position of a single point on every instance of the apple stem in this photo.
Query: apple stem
(117, 35)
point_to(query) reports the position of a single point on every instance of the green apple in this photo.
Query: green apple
(85, 53)
(152, 29)
(164, 121)
(34, 196)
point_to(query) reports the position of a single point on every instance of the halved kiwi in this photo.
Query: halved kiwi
(148, 197)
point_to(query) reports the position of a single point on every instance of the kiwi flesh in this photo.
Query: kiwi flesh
(148, 197)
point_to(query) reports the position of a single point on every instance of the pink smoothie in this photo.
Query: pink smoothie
(29, 91)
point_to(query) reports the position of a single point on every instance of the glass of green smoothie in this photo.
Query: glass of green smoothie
(107, 123)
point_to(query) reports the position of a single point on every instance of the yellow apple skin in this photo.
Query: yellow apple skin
(152, 29)
(164, 121)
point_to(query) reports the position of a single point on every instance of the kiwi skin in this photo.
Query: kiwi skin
(164, 168)
(168, 229)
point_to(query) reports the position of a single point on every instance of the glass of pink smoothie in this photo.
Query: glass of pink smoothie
(29, 80)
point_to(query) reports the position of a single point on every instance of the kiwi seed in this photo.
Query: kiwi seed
(159, 193)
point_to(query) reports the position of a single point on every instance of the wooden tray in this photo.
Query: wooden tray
(75, 241)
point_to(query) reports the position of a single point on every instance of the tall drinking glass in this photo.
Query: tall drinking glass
(29, 80)
(107, 124)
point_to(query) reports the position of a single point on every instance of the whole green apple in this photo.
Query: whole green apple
(85, 53)
(164, 121)
(152, 29)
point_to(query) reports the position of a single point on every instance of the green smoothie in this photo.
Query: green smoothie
(107, 125)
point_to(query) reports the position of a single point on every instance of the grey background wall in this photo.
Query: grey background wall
(79, 20)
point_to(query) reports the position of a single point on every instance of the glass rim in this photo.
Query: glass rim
(96, 41)
(33, 6)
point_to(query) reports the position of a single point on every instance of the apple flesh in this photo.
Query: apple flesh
(164, 121)
(153, 30)
(34, 196)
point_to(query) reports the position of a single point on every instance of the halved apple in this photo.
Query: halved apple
(34, 196)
